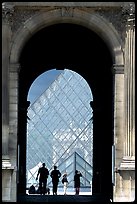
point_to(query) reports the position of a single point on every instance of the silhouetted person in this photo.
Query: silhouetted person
(55, 175)
(77, 181)
(43, 175)
(65, 182)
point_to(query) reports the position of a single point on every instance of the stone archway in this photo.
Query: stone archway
(75, 16)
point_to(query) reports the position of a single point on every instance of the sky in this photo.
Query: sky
(41, 83)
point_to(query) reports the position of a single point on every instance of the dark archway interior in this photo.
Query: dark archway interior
(79, 49)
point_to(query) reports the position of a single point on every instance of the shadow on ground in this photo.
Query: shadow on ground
(62, 198)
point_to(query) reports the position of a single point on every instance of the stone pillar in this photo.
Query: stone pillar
(7, 166)
(13, 110)
(13, 125)
(126, 188)
(118, 123)
(127, 166)
(118, 112)
(6, 34)
(130, 89)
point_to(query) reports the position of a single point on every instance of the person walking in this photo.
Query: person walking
(43, 173)
(77, 181)
(65, 183)
(55, 175)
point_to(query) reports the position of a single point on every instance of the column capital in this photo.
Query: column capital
(118, 69)
(7, 12)
(128, 12)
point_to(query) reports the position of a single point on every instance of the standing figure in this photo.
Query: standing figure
(65, 182)
(43, 175)
(77, 181)
(55, 175)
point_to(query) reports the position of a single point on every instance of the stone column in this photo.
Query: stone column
(118, 112)
(118, 123)
(6, 35)
(13, 109)
(126, 185)
(129, 152)
(7, 166)
(127, 166)
(13, 125)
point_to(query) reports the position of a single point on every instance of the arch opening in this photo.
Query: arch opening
(60, 130)
(79, 49)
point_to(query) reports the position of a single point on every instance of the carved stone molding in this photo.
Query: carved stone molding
(128, 163)
(118, 69)
(20, 16)
(23, 14)
(7, 13)
(67, 11)
(113, 15)
(16, 16)
(6, 164)
(128, 12)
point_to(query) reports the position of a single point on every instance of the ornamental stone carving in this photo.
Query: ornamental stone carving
(128, 12)
(7, 13)
(20, 16)
(16, 16)
(113, 15)
(67, 11)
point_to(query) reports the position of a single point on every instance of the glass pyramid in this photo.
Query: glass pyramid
(60, 130)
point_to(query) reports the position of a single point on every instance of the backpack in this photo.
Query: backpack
(32, 190)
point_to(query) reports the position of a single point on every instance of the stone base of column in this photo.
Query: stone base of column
(128, 163)
(124, 191)
(7, 172)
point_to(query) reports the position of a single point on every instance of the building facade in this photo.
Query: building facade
(114, 23)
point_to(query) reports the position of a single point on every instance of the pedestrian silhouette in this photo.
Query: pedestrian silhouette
(43, 176)
(77, 181)
(65, 183)
(55, 175)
